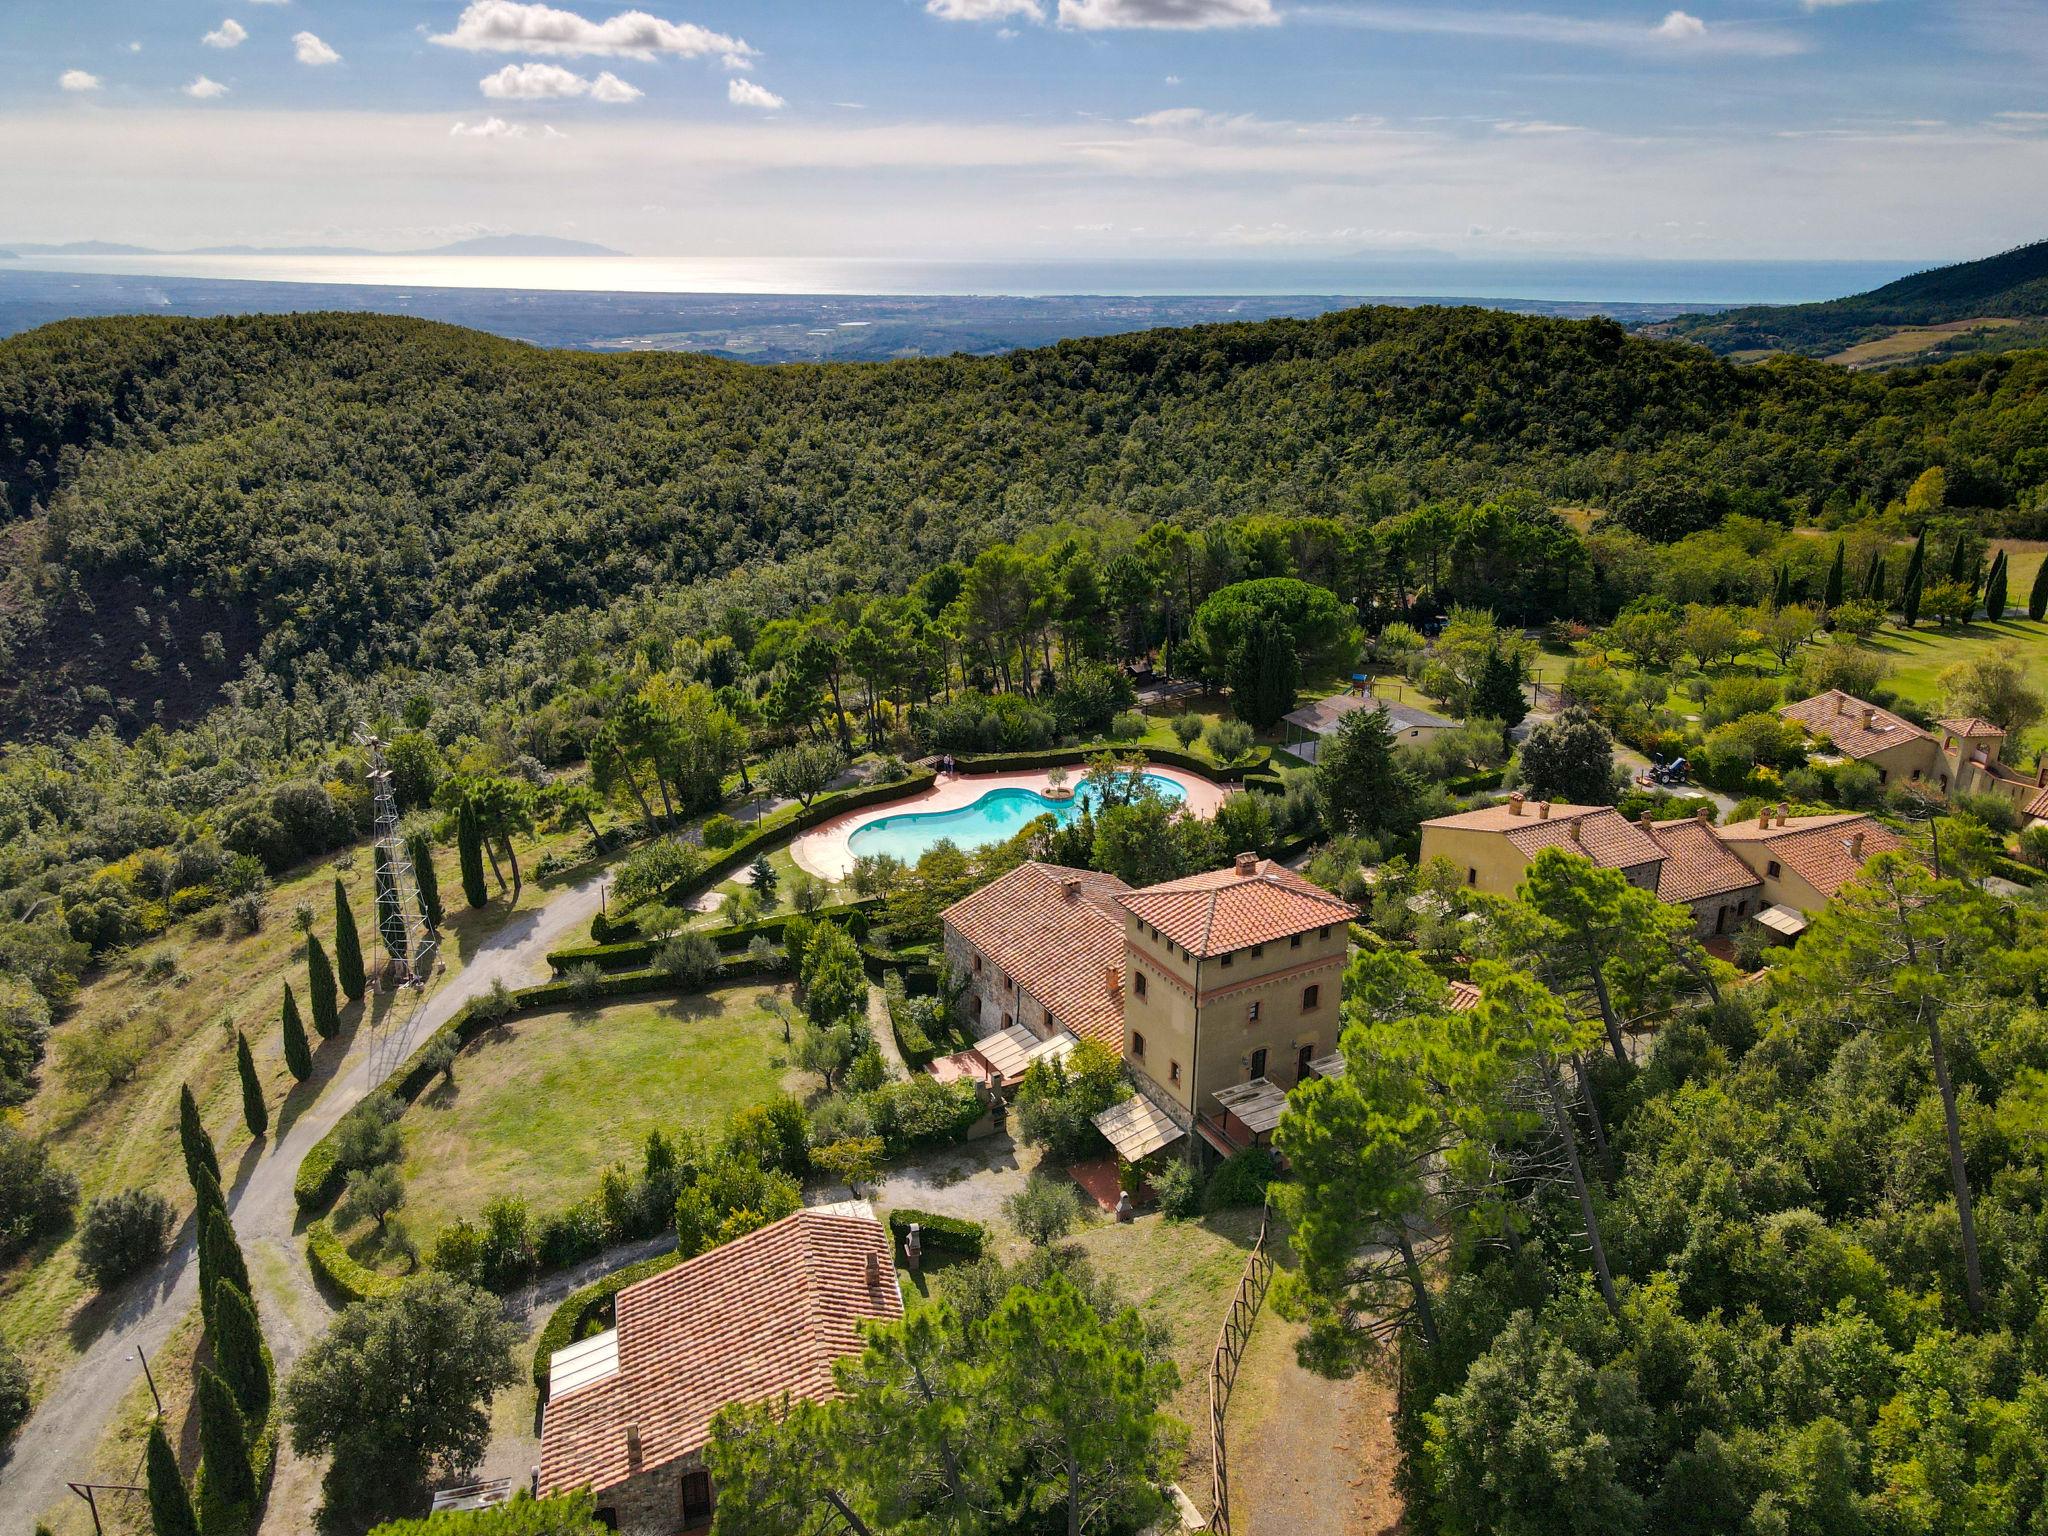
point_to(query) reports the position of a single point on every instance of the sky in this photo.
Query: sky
(984, 129)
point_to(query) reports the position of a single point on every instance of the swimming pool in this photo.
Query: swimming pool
(996, 816)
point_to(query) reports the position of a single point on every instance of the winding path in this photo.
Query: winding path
(58, 1442)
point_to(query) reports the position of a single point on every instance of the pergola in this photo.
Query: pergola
(1137, 1128)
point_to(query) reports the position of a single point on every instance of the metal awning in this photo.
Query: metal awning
(1010, 1052)
(1256, 1105)
(1137, 1128)
(581, 1363)
(1331, 1065)
(1789, 921)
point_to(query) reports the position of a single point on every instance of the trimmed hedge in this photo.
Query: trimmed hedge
(351, 1281)
(1052, 757)
(577, 1308)
(940, 1234)
(319, 1182)
(622, 953)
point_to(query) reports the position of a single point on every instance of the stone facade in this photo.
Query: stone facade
(993, 999)
(650, 1502)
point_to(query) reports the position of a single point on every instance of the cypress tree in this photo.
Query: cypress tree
(220, 1259)
(254, 1112)
(1877, 569)
(170, 1503)
(320, 988)
(223, 1442)
(192, 1138)
(469, 844)
(2037, 595)
(297, 1055)
(348, 946)
(1916, 566)
(390, 916)
(1909, 605)
(1831, 595)
(420, 849)
(238, 1351)
(210, 1199)
(1958, 566)
(1994, 590)
(1782, 593)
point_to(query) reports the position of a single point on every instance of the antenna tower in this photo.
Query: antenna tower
(410, 942)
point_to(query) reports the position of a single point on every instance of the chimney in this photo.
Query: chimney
(1515, 802)
(1247, 864)
(874, 1270)
(1573, 828)
(1113, 977)
(1763, 818)
(1070, 887)
(1703, 812)
(1646, 820)
(1868, 715)
(1781, 813)
(633, 1445)
(1841, 703)
(1856, 845)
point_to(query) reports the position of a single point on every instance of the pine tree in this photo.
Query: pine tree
(297, 1055)
(1916, 569)
(469, 844)
(238, 1350)
(220, 1258)
(1497, 691)
(223, 1442)
(170, 1503)
(255, 1114)
(1831, 595)
(1994, 590)
(348, 946)
(2037, 595)
(420, 849)
(320, 989)
(192, 1138)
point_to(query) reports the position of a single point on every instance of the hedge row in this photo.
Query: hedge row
(621, 953)
(351, 1281)
(940, 1234)
(770, 830)
(566, 1322)
(1052, 757)
(319, 1182)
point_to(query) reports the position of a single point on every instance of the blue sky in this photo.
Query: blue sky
(961, 128)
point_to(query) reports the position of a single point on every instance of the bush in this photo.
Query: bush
(2034, 845)
(122, 1234)
(583, 981)
(721, 831)
(940, 1234)
(14, 1384)
(1230, 740)
(1857, 787)
(1058, 1100)
(1178, 1190)
(329, 1259)
(1044, 1210)
(571, 1236)
(1241, 1180)
(922, 1112)
(1127, 725)
(1187, 729)
(35, 1197)
(505, 1255)
(688, 960)
(1993, 809)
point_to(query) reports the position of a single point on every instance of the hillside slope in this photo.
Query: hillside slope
(1996, 303)
(352, 491)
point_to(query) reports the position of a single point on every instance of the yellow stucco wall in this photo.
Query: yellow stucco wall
(1486, 861)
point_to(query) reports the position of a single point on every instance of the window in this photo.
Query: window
(1310, 996)
(1228, 958)
(1295, 942)
(1137, 1044)
(1258, 1066)
(1302, 1059)
(1771, 870)
(977, 963)
(1258, 949)
(1882, 775)
(1173, 1073)
(1323, 932)
(1471, 877)
(1251, 1014)
(1008, 985)
(1138, 982)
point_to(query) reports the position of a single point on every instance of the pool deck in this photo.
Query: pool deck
(823, 850)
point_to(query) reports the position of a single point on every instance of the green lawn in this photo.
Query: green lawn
(541, 1106)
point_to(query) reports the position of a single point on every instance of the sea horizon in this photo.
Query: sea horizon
(1586, 279)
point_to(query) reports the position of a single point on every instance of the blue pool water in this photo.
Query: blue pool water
(996, 816)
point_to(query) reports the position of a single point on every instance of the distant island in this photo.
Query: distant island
(1992, 305)
(476, 245)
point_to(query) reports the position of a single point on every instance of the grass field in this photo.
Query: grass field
(1910, 341)
(540, 1106)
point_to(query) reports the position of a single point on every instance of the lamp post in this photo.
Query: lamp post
(150, 1378)
(604, 886)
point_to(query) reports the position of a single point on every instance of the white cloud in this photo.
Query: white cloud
(1535, 125)
(549, 82)
(1173, 79)
(229, 34)
(984, 10)
(510, 26)
(1183, 117)
(744, 93)
(311, 50)
(1679, 33)
(205, 89)
(489, 128)
(135, 47)
(734, 62)
(1181, 15)
(77, 80)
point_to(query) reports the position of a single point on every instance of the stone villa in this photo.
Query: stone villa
(1958, 757)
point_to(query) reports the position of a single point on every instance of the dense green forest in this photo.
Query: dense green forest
(2012, 285)
(355, 492)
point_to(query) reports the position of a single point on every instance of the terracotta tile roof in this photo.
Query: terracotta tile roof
(1464, 997)
(1599, 832)
(1322, 716)
(1252, 902)
(1838, 716)
(2038, 806)
(761, 1316)
(1970, 725)
(1819, 847)
(1059, 947)
(1506, 817)
(1696, 864)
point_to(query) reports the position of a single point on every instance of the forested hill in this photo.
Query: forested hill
(2010, 287)
(360, 491)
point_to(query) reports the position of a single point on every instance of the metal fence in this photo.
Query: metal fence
(1230, 1342)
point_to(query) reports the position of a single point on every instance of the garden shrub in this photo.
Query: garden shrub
(1187, 729)
(36, 1198)
(121, 1235)
(14, 1390)
(721, 831)
(1127, 725)
(940, 1234)
(1241, 1180)
(505, 1254)
(458, 1251)
(923, 1112)
(571, 1236)
(330, 1261)
(688, 959)
(775, 1135)
(1177, 1189)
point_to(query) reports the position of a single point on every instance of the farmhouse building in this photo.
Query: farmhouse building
(1408, 725)
(1960, 756)
(766, 1315)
